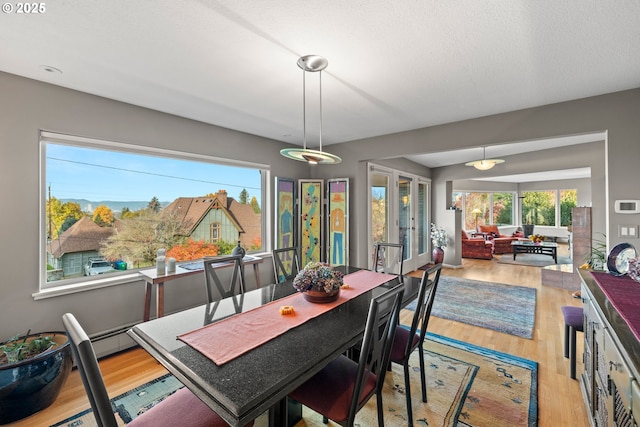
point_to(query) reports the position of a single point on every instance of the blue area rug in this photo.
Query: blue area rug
(503, 308)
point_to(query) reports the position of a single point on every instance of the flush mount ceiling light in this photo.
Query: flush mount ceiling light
(484, 164)
(310, 63)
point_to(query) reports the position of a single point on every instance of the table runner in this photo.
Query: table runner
(624, 294)
(231, 337)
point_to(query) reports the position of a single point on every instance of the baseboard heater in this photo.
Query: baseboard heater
(112, 341)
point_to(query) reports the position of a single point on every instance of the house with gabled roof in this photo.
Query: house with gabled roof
(217, 218)
(73, 248)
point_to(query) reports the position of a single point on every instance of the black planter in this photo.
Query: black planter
(31, 385)
(527, 229)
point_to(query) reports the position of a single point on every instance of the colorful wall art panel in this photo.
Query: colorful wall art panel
(338, 221)
(311, 196)
(285, 213)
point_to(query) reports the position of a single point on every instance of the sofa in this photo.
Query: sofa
(501, 242)
(476, 247)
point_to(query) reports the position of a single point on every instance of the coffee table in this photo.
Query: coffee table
(529, 247)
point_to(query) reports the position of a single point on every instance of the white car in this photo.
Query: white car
(97, 266)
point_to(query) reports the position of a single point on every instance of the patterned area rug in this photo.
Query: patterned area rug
(129, 405)
(503, 308)
(467, 386)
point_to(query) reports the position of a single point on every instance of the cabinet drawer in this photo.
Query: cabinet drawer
(619, 371)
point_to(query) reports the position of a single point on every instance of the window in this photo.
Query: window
(539, 207)
(568, 201)
(481, 208)
(502, 208)
(114, 203)
(215, 232)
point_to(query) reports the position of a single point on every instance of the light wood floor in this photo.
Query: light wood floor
(560, 401)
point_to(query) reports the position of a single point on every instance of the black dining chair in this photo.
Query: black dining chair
(182, 408)
(344, 386)
(236, 283)
(407, 340)
(286, 264)
(388, 258)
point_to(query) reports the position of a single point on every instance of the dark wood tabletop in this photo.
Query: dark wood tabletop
(258, 381)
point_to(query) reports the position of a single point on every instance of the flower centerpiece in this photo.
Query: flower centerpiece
(318, 282)
(537, 238)
(439, 241)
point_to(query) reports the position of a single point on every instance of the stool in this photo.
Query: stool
(572, 324)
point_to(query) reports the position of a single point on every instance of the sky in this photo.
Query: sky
(101, 175)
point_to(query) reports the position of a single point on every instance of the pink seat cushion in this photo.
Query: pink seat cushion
(400, 343)
(182, 408)
(329, 391)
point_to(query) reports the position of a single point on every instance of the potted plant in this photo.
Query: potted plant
(33, 369)
(318, 282)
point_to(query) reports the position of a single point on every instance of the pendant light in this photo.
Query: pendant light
(484, 164)
(310, 64)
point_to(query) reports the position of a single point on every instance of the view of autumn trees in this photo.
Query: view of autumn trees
(139, 234)
(61, 216)
(538, 207)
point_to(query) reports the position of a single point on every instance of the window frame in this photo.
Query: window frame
(64, 286)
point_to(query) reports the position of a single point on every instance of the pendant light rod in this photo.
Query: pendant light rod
(310, 63)
(320, 133)
(304, 109)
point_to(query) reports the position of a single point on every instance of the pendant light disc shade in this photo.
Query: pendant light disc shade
(484, 164)
(310, 156)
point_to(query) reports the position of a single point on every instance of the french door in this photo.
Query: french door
(399, 213)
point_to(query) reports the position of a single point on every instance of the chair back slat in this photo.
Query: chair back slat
(388, 258)
(213, 282)
(286, 264)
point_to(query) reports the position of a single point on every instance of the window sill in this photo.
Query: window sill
(88, 285)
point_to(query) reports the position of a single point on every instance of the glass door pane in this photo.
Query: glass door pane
(379, 185)
(422, 218)
(405, 217)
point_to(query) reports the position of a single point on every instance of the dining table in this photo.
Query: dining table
(259, 379)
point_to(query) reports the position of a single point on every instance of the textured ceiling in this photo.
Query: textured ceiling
(393, 66)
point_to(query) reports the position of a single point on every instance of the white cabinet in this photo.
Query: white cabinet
(610, 382)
